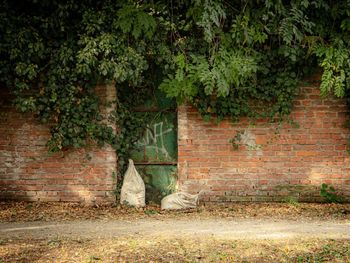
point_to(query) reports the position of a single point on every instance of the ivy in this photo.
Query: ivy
(131, 126)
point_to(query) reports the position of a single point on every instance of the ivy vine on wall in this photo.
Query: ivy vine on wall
(227, 58)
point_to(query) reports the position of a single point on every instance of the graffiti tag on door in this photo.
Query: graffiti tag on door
(154, 139)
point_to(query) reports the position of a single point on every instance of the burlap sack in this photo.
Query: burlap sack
(133, 189)
(179, 200)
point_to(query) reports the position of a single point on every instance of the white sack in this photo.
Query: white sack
(133, 189)
(179, 200)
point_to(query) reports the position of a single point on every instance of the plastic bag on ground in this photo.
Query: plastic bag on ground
(179, 200)
(133, 189)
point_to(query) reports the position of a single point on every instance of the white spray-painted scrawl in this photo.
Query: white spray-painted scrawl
(154, 139)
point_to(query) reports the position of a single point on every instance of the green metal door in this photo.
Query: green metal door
(155, 155)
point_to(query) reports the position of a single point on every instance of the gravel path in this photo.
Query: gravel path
(222, 228)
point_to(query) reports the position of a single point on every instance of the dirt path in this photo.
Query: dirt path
(262, 232)
(220, 228)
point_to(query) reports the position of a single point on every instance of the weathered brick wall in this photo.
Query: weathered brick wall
(267, 167)
(28, 172)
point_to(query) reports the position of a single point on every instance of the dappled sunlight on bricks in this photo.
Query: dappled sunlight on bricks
(293, 162)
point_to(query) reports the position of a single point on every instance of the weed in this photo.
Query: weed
(304, 258)
(291, 200)
(235, 141)
(329, 194)
(94, 258)
(151, 212)
(14, 212)
(55, 242)
(29, 207)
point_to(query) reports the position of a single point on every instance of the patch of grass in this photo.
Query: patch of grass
(186, 249)
(327, 251)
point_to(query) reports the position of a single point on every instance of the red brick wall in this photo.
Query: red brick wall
(267, 167)
(28, 172)
(295, 162)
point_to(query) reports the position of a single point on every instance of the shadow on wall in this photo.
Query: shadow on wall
(29, 172)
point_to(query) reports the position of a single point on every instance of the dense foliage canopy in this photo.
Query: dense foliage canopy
(227, 58)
